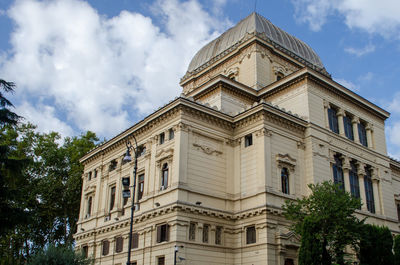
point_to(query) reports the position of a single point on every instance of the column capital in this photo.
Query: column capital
(355, 120)
(340, 112)
(369, 127)
(360, 169)
(326, 104)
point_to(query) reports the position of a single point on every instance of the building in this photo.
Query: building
(259, 119)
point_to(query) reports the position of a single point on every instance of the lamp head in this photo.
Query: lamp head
(127, 157)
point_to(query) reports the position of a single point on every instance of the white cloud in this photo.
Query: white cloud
(378, 17)
(348, 84)
(100, 72)
(45, 116)
(360, 51)
(393, 138)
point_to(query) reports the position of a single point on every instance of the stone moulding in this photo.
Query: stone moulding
(208, 150)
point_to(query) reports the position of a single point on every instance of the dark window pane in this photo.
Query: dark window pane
(85, 251)
(251, 235)
(285, 180)
(362, 133)
(141, 186)
(164, 176)
(218, 235)
(171, 134)
(206, 229)
(348, 128)
(192, 231)
(162, 233)
(119, 244)
(354, 184)
(338, 172)
(162, 138)
(112, 198)
(333, 120)
(161, 261)
(135, 240)
(369, 191)
(248, 140)
(105, 247)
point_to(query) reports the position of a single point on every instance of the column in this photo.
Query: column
(375, 186)
(368, 130)
(346, 173)
(361, 174)
(340, 114)
(326, 107)
(355, 122)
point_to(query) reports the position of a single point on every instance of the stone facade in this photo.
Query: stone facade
(251, 129)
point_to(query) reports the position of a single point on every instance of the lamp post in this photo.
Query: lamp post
(128, 158)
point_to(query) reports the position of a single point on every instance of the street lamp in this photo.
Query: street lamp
(128, 158)
(176, 249)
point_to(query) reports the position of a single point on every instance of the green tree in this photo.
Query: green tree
(59, 255)
(396, 250)
(49, 190)
(330, 213)
(369, 253)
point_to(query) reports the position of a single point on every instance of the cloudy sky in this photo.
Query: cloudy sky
(102, 65)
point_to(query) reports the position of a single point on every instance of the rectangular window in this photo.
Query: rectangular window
(112, 197)
(162, 233)
(162, 138)
(354, 185)
(89, 206)
(85, 251)
(333, 120)
(192, 231)
(164, 176)
(250, 235)
(95, 173)
(105, 247)
(140, 186)
(119, 244)
(161, 260)
(206, 229)
(248, 140)
(348, 128)
(369, 191)
(90, 175)
(362, 133)
(113, 165)
(135, 241)
(218, 235)
(398, 211)
(171, 134)
(338, 172)
(141, 150)
(285, 180)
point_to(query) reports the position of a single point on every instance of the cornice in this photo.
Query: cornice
(181, 207)
(184, 106)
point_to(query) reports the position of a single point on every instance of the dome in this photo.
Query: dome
(262, 27)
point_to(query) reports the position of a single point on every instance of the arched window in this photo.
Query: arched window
(285, 180)
(164, 176)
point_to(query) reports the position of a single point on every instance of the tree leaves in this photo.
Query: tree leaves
(329, 212)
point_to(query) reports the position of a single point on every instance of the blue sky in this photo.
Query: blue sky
(103, 65)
